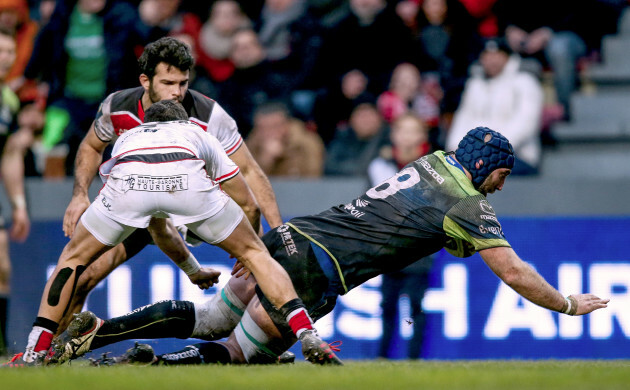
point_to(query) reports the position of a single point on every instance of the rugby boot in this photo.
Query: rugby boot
(17, 361)
(76, 340)
(316, 350)
(139, 354)
(286, 357)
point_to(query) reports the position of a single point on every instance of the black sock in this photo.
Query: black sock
(160, 320)
(206, 353)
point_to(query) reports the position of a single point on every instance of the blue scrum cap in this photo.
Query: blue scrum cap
(481, 143)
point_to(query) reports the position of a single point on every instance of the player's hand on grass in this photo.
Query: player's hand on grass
(240, 270)
(205, 278)
(77, 206)
(587, 303)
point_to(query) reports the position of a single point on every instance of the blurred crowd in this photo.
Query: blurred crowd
(315, 85)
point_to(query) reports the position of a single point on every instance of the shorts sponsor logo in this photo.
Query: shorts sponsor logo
(106, 203)
(287, 240)
(191, 353)
(427, 167)
(155, 183)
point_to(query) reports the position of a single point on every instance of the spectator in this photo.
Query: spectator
(45, 11)
(548, 31)
(407, 11)
(503, 97)
(371, 39)
(253, 81)
(356, 145)
(166, 17)
(409, 141)
(333, 108)
(447, 43)
(291, 36)
(82, 54)
(273, 26)
(412, 282)
(14, 17)
(210, 46)
(14, 141)
(214, 42)
(281, 144)
(410, 92)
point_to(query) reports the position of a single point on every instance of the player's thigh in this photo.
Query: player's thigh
(221, 227)
(103, 228)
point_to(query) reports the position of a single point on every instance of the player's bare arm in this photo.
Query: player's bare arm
(259, 184)
(166, 237)
(13, 178)
(240, 192)
(89, 157)
(520, 276)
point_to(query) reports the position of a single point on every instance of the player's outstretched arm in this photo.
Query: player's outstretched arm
(89, 157)
(260, 185)
(240, 192)
(166, 237)
(517, 274)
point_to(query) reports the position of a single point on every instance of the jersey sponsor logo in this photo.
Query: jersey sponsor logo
(427, 167)
(155, 183)
(287, 240)
(496, 230)
(361, 203)
(485, 206)
(353, 210)
(489, 218)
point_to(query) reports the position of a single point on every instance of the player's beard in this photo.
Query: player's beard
(483, 187)
(154, 97)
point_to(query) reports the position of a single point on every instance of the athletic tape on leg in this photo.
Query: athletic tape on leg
(216, 318)
(256, 345)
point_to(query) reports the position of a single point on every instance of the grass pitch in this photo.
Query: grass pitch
(513, 374)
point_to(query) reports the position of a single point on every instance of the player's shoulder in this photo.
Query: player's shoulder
(198, 101)
(126, 99)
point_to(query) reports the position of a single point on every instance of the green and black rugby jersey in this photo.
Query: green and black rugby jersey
(428, 205)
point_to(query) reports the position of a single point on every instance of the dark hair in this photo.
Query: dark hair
(497, 44)
(164, 111)
(168, 50)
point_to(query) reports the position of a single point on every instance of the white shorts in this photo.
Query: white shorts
(180, 190)
(213, 230)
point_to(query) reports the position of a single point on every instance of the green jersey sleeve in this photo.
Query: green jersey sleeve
(472, 225)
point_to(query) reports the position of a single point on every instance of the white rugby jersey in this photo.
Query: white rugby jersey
(161, 142)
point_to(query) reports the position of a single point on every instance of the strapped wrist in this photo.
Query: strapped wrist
(571, 305)
(190, 265)
(18, 202)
